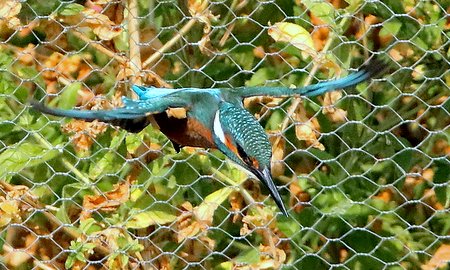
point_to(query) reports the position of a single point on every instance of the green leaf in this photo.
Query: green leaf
(295, 35)
(288, 226)
(441, 176)
(106, 164)
(260, 77)
(353, 5)
(68, 98)
(89, 226)
(71, 9)
(22, 156)
(133, 141)
(324, 11)
(224, 266)
(249, 256)
(391, 27)
(158, 216)
(206, 209)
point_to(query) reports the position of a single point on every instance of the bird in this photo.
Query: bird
(215, 118)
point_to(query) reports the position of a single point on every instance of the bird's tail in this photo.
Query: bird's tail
(128, 119)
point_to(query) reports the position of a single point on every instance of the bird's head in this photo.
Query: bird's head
(243, 140)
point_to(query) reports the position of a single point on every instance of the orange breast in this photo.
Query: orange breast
(186, 131)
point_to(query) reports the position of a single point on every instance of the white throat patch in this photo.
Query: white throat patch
(218, 131)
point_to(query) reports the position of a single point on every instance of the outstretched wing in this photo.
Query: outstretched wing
(132, 117)
(371, 69)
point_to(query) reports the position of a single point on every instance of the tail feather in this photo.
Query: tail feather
(130, 120)
(101, 115)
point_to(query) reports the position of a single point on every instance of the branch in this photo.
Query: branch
(100, 48)
(169, 44)
(134, 40)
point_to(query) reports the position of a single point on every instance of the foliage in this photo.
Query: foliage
(365, 173)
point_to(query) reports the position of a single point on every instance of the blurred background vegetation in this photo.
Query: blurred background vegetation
(364, 173)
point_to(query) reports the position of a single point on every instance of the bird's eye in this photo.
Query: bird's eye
(250, 161)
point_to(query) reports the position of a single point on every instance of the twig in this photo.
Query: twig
(170, 43)
(134, 40)
(297, 101)
(69, 231)
(100, 48)
(247, 197)
(66, 163)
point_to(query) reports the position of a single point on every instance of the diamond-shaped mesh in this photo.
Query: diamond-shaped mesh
(364, 172)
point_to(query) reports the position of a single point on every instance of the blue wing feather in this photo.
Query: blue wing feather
(368, 71)
(132, 109)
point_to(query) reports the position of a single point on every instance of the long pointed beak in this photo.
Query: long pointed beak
(265, 177)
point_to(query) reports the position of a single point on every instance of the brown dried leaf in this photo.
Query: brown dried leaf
(85, 132)
(263, 218)
(401, 51)
(186, 226)
(385, 195)
(237, 203)
(58, 65)
(298, 195)
(100, 24)
(270, 258)
(26, 55)
(9, 9)
(179, 113)
(189, 231)
(19, 255)
(278, 148)
(200, 11)
(336, 115)
(305, 130)
(108, 201)
(321, 32)
(440, 258)
(259, 52)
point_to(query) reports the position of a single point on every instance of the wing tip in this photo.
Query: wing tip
(375, 66)
(40, 107)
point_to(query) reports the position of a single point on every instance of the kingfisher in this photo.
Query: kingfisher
(215, 118)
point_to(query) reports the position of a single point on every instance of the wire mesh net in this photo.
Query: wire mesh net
(364, 172)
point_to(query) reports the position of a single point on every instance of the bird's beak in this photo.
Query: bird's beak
(264, 176)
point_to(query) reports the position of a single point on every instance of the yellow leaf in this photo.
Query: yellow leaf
(197, 7)
(106, 32)
(200, 11)
(100, 24)
(439, 259)
(278, 148)
(305, 129)
(179, 113)
(148, 218)
(9, 207)
(205, 211)
(336, 115)
(295, 35)
(305, 132)
(9, 9)
(4, 220)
